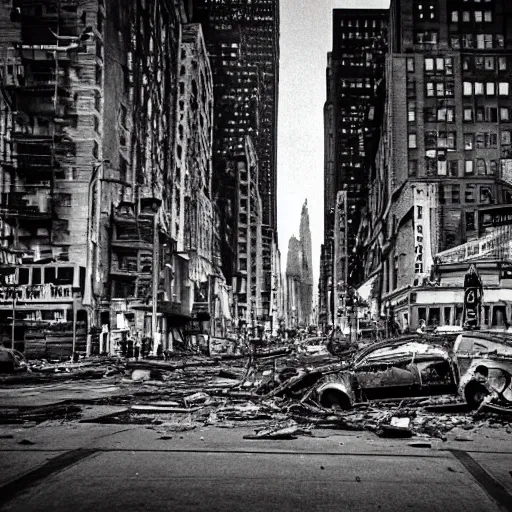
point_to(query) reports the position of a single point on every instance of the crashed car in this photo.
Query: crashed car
(391, 369)
(11, 360)
(485, 364)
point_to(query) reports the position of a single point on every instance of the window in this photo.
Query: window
(453, 167)
(491, 140)
(455, 42)
(493, 167)
(502, 63)
(489, 63)
(479, 16)
(446, 140)
(480, 114)
(469, 195)
(465, 16)
(448, 65)
(467, 89)
(468, 141)
(480, 167)
(479, 62)
(440, 89)
(419, 210)
(455, 16)
(446, 114)
(488, 16)
(470, 221)
(431, 139)
(468, 169)
(440, 64)
(479, 88)
(500, 41)
(449, 89)
(468, 114)
(430, 89)
(441, 167)
(466, 63)
(488, 41)
(485, 195)
(504, 114)
(490, 89)
(413, 168)
(505, 138)
(503, 88)
(410, 64)
(429, 64)
(412, 140)
(480, 140)
(455, 194)
(492, 114)
(430, 114)
(411, 111)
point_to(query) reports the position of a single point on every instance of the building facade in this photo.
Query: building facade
(352, 114)
(445, 150)
(243, 42)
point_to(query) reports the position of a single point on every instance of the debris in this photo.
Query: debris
(358, 478)
(26, 442)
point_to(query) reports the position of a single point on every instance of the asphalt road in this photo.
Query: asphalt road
(91, 467)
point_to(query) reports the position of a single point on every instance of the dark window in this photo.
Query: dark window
(36, 275)
(49, 275)
(65, 275)
(23, 276)
(470, 221)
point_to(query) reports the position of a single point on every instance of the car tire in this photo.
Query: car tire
(474, 393)
(332, 399)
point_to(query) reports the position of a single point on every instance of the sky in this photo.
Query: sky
(306, 37)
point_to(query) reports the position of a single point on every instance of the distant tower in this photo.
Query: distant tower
(306, 268)
(299, 275)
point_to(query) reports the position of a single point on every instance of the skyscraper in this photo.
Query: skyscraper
(351, 115)
(243, 42)
(446, 147)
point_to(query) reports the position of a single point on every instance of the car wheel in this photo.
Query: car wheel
(474, 394)
(332, 399)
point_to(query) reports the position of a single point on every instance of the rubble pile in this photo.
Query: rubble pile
(273, 391)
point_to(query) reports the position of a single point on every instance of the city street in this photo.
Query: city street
(77, 466)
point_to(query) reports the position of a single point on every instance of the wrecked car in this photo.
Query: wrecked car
(485, 365)
(390, 369)
(11, 360)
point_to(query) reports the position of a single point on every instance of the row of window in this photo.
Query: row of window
(469, 63)
(468, 40)
(447, 114)
(478, 41)
(447, 140)
(490, 88)
(468, 16)
(360, 23)
(483, 62)
(452, 168)
(452, 194)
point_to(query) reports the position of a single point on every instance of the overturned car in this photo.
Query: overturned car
(391, 369)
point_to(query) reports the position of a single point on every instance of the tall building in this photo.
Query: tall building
(93, 245)
(62, 125)
(306, 266)
(446, 146)
(351, 116)
(243, 42)
(299, 276)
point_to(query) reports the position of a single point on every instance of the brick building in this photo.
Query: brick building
(446, 144)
